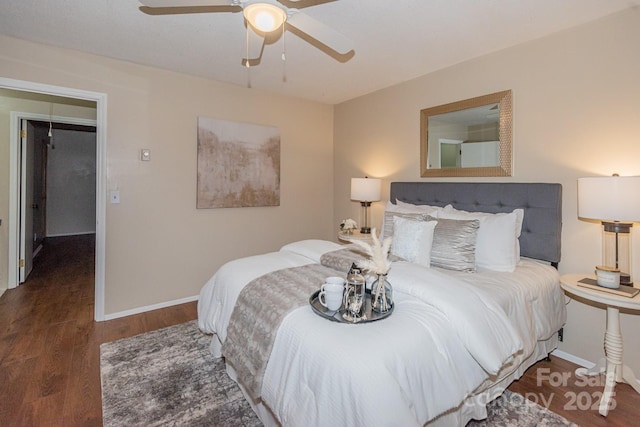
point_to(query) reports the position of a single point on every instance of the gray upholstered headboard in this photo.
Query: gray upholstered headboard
(542, 204)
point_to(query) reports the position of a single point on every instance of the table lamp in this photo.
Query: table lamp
(615, 201)
(365, 190)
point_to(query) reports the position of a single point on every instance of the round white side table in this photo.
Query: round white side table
(355, 235)
(611, 365)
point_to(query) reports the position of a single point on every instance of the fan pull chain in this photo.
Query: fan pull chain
(246, 61)
(284, 56)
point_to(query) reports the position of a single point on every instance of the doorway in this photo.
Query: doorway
(100, 122)
(56, 183)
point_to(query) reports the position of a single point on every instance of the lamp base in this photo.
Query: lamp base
(616, 248)
(365, 230)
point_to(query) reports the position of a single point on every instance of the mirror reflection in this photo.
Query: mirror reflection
(468, 138)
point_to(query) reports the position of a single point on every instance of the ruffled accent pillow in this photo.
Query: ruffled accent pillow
(454, 244)
(497, 247)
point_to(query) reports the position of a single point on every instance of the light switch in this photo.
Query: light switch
(145, 154)
(114, 197)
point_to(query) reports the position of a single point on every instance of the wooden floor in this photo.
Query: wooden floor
(50, 345)
(555, 386)
(49, 351)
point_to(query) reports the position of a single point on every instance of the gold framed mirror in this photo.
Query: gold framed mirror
(467, 138)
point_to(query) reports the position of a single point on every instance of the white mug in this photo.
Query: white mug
(335, 279)
(330, 295)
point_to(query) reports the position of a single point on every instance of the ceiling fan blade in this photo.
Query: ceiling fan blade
(256, 43)
(311, 2)
(185, 3)
(321, 32)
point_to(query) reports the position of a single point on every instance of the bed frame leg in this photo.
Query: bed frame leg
(548, 358)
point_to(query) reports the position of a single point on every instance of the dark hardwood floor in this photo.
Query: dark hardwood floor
(50, 347)
(555, 386)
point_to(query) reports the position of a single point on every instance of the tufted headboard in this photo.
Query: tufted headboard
(542, 204)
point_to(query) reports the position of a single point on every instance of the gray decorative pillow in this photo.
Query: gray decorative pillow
(387, 225)
(454, 244)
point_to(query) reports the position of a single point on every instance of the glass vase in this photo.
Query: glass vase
(381, 294)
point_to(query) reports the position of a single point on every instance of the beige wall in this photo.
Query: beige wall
(159, 247)
(576, 113)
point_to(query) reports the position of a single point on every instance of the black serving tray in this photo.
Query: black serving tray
(336, 316)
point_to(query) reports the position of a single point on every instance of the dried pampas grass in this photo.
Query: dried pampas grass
(379, 262)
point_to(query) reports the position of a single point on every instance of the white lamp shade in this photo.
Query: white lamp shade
(609, 198)
(365, 189)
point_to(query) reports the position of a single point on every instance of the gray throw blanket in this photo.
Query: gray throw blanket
(255, 320)
(342, 259)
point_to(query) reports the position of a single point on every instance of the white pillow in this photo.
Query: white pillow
(428, 209)
(519, 216)
(312, 248)
(412, 240)
(497, 243)
(519, 220)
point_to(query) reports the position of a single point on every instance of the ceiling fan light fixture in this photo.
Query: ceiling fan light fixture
(264, 17)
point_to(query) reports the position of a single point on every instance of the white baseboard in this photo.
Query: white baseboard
(571, 358)
(146, 308)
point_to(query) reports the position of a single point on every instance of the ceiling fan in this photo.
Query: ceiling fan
(264, 17)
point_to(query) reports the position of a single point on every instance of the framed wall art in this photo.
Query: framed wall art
(238, 164)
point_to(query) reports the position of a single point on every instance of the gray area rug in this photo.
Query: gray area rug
(168, 378)
(514, 410)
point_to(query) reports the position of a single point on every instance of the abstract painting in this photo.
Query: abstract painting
(238, 164)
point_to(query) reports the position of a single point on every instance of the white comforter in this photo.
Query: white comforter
(446, 336)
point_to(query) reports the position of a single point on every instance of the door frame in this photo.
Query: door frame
(17, 234)
(101, 179)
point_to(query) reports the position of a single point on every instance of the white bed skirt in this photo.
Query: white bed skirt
(474, 407)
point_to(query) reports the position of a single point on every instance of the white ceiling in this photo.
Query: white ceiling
(394, 40)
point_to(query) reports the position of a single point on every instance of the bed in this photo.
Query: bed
(464, 326)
